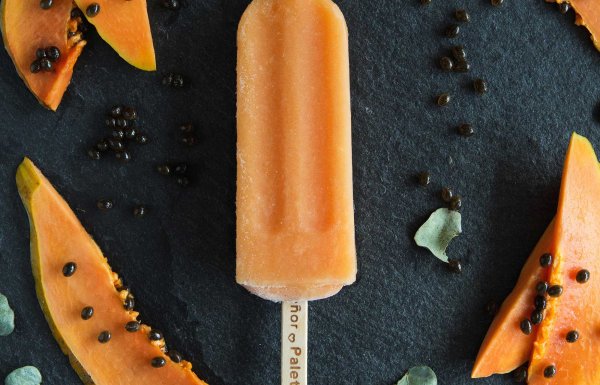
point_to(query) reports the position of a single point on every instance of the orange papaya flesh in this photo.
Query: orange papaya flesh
(51, 29)
(505, 346)
(587, 15)
(57, 238)
(124, 25)
(577, 230)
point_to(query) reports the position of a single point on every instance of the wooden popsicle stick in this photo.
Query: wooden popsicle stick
(294, 343)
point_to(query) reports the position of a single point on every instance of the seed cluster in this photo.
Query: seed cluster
(133, 326)
(544, 289)
(179, 171)
(454, 200)
(121, 121)
(78, 25)
(45, 58)
(456, 61)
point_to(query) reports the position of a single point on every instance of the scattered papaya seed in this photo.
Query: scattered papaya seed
(540, 302)
(447, 194)
(583, 276)
(155, 335)
(446, 63)
(555, 291)
(462, 15)
(46, 4)
(564, 7)
(452, 31)
(456, 203)
(526, 326)
(465, 130)
(104, 337)
(443, 99)
(572, 336)
(92, 10)
(132, 326)
(455, 266)
(541, 287)
(458, 52)
(480, 86)
(69, 269)
(87, 313)
(536, 317)
(462, 66)
(423, 178)
(175, 356)
(129, 302)
(546, 260)
(158, 362)
(550, 371)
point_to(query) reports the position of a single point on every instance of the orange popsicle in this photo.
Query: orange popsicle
(295, 219)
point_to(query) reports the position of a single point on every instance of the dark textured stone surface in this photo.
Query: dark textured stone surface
(179, 260)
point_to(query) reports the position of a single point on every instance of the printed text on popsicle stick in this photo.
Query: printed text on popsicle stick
(294, 350)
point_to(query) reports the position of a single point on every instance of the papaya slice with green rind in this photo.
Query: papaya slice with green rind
(577, 230)
(21, 40)
(124, 25)
(505, 346)
(57, 238)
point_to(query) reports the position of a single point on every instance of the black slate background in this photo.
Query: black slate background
(405, 309)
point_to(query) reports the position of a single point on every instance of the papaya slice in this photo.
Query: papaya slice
(577, 229)
(505, 346)
(52, 28)
(587, 15)
(124, 25)
(57, 241)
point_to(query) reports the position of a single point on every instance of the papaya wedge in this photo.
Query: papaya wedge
(577, 248)
(572, 239)
(496, 355)
(106, 345)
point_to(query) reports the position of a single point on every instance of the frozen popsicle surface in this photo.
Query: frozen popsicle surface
(295, 220)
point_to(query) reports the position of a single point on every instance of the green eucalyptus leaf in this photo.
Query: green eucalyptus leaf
(437, 232)
(7, 317)
(27, 375)
(419, 375)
